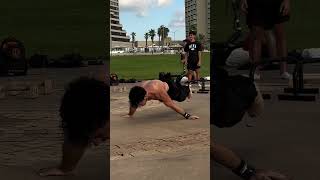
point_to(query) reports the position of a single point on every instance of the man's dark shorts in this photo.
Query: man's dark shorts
(177, 92)
(265, 13)
(232, 97)
(192, 66)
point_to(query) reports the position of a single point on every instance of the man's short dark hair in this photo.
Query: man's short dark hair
(186, 41)
(85, 107)
(193, 32)
(136, 95)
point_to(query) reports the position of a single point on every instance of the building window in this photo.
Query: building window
(118, 34)
(114, 22)
(114, 8)
(116, 28)
(120, 40)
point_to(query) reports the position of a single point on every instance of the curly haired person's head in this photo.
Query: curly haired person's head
(85, 108)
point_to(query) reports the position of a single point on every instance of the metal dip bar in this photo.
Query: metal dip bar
(297, 93)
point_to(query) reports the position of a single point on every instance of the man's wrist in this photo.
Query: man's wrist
(186, 115)
(244, 170)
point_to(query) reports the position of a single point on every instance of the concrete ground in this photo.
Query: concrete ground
(159, 144)
(30, 137)
(283, 139)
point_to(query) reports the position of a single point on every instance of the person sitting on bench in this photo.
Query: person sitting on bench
(165, 90)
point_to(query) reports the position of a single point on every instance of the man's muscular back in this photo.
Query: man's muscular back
(157, 90)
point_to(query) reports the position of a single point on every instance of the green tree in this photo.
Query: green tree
(152, 34)
(146, 36)
(193, 27)
(163, 33)
(133, 37)
(202, 39)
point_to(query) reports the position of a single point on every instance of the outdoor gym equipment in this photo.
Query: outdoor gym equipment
(12, 57)
(298, 92)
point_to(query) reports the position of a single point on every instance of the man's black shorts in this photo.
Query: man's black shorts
(177, 92)
(192, 66)
(265, 13)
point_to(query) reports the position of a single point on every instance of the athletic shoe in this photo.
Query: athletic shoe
(257, 76)
(286, 76)
(184, 81)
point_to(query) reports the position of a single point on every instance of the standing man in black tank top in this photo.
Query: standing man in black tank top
(193, 55)
(264, 15)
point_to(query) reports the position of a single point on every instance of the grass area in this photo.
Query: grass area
(148, 67)
(56, 27)
(302, 29)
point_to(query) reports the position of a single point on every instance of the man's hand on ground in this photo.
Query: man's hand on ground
(54, 172)
(244, 6)
(126, 116)
(193, 117)
(268, 175)
(285, 7)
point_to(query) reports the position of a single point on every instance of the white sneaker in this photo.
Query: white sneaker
(286, 76)
(184, 81)
(256, 76)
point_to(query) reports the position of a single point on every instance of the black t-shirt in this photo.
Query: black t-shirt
(193, 48)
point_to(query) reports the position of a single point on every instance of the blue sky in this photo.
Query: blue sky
(140, 16)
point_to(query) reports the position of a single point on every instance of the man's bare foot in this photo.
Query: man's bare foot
(54, 172)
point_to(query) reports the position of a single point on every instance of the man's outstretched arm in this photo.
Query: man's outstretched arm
(230, 160)
(132, 110)
(225, 157)
(169, 103)
(71, 155)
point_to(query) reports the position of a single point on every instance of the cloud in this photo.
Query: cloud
(141, 7)
(178, 19)
(162, 3)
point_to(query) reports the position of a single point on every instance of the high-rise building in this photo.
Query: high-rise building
(197, 14)
(118, 36)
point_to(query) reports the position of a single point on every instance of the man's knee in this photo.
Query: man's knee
(279, 31)
(257, 33)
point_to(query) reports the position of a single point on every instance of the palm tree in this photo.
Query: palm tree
(202, 39)
(133, 36)
(152, 34)
(163, 32)
(146, 36)
(166, 32)
(159, 35)
(193, 27)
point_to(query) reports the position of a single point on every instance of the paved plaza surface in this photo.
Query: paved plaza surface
(159, 144)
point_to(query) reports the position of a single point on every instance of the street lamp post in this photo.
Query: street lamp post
(174, 35)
